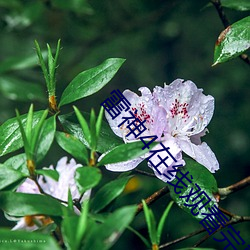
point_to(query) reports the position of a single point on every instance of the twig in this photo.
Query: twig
(226, 23)
(144, 173)
(152, 198)
(223, 192)
(234, 220)
(182, 238)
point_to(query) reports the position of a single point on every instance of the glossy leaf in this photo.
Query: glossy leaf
(53, 174)
(241, 5)
(162, 221)
(105, 235)
(18, 162)
(8, 176)
(19, 90)
(16, 240)
(125, 152)
(107, 138)
(233, 41)
(87, 177)
(46, 138)
(90, 81)
(206, 182)
(73, 146)
(20, 204)
(108, 193)
(10, 136)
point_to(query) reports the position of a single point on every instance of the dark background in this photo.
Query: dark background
(161, 41)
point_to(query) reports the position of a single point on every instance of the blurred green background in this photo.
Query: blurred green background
(161, 41)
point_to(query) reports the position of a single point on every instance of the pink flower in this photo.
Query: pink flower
(58, 189)
(178, 114)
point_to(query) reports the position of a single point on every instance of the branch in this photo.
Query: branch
(223, 192)
(182, 238)
(235, 219)
(152, 198)
(226, 23)
(144, 173)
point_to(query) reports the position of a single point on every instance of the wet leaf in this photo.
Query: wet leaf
(107, 139)
(206, 182)
(10, 136)
(233, 41)
(90, 81)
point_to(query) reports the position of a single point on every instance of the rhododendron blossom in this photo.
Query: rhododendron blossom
(178, 114)
(58, 189)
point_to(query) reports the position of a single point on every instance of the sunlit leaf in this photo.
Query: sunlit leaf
(90, 81)
(233, 41)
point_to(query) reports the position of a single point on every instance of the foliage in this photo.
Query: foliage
(103, 208)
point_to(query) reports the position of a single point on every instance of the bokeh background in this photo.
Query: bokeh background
(161, 41)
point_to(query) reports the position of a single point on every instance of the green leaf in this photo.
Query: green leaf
(18, 162)
(8, 176)
(241, 5)
(99, 123)
(84, 125)
(204, 179)
(19, 90)
(20, 204)
(125, 152)
(233, 41)
(16, 240)
(162, 221)
(53, 174)
(151, 223)
(78, 6)
(108, 193)
(90, 81)
(105, 235)
(92, 127)
(10, 136)
(107, 139)
(69, 230)
(46, 138)
(87, 177)
(73, 146)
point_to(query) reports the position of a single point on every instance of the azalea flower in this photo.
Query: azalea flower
(58, 189)
(178, 114)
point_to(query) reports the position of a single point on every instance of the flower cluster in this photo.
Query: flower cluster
(178, 114)
(58, 189)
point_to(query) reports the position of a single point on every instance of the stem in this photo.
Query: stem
(224, 192)
(152, 198)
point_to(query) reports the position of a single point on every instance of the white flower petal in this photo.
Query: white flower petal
(201, 153)
(125, 165)
(21, 225)
(174, 158)
(29, 187)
